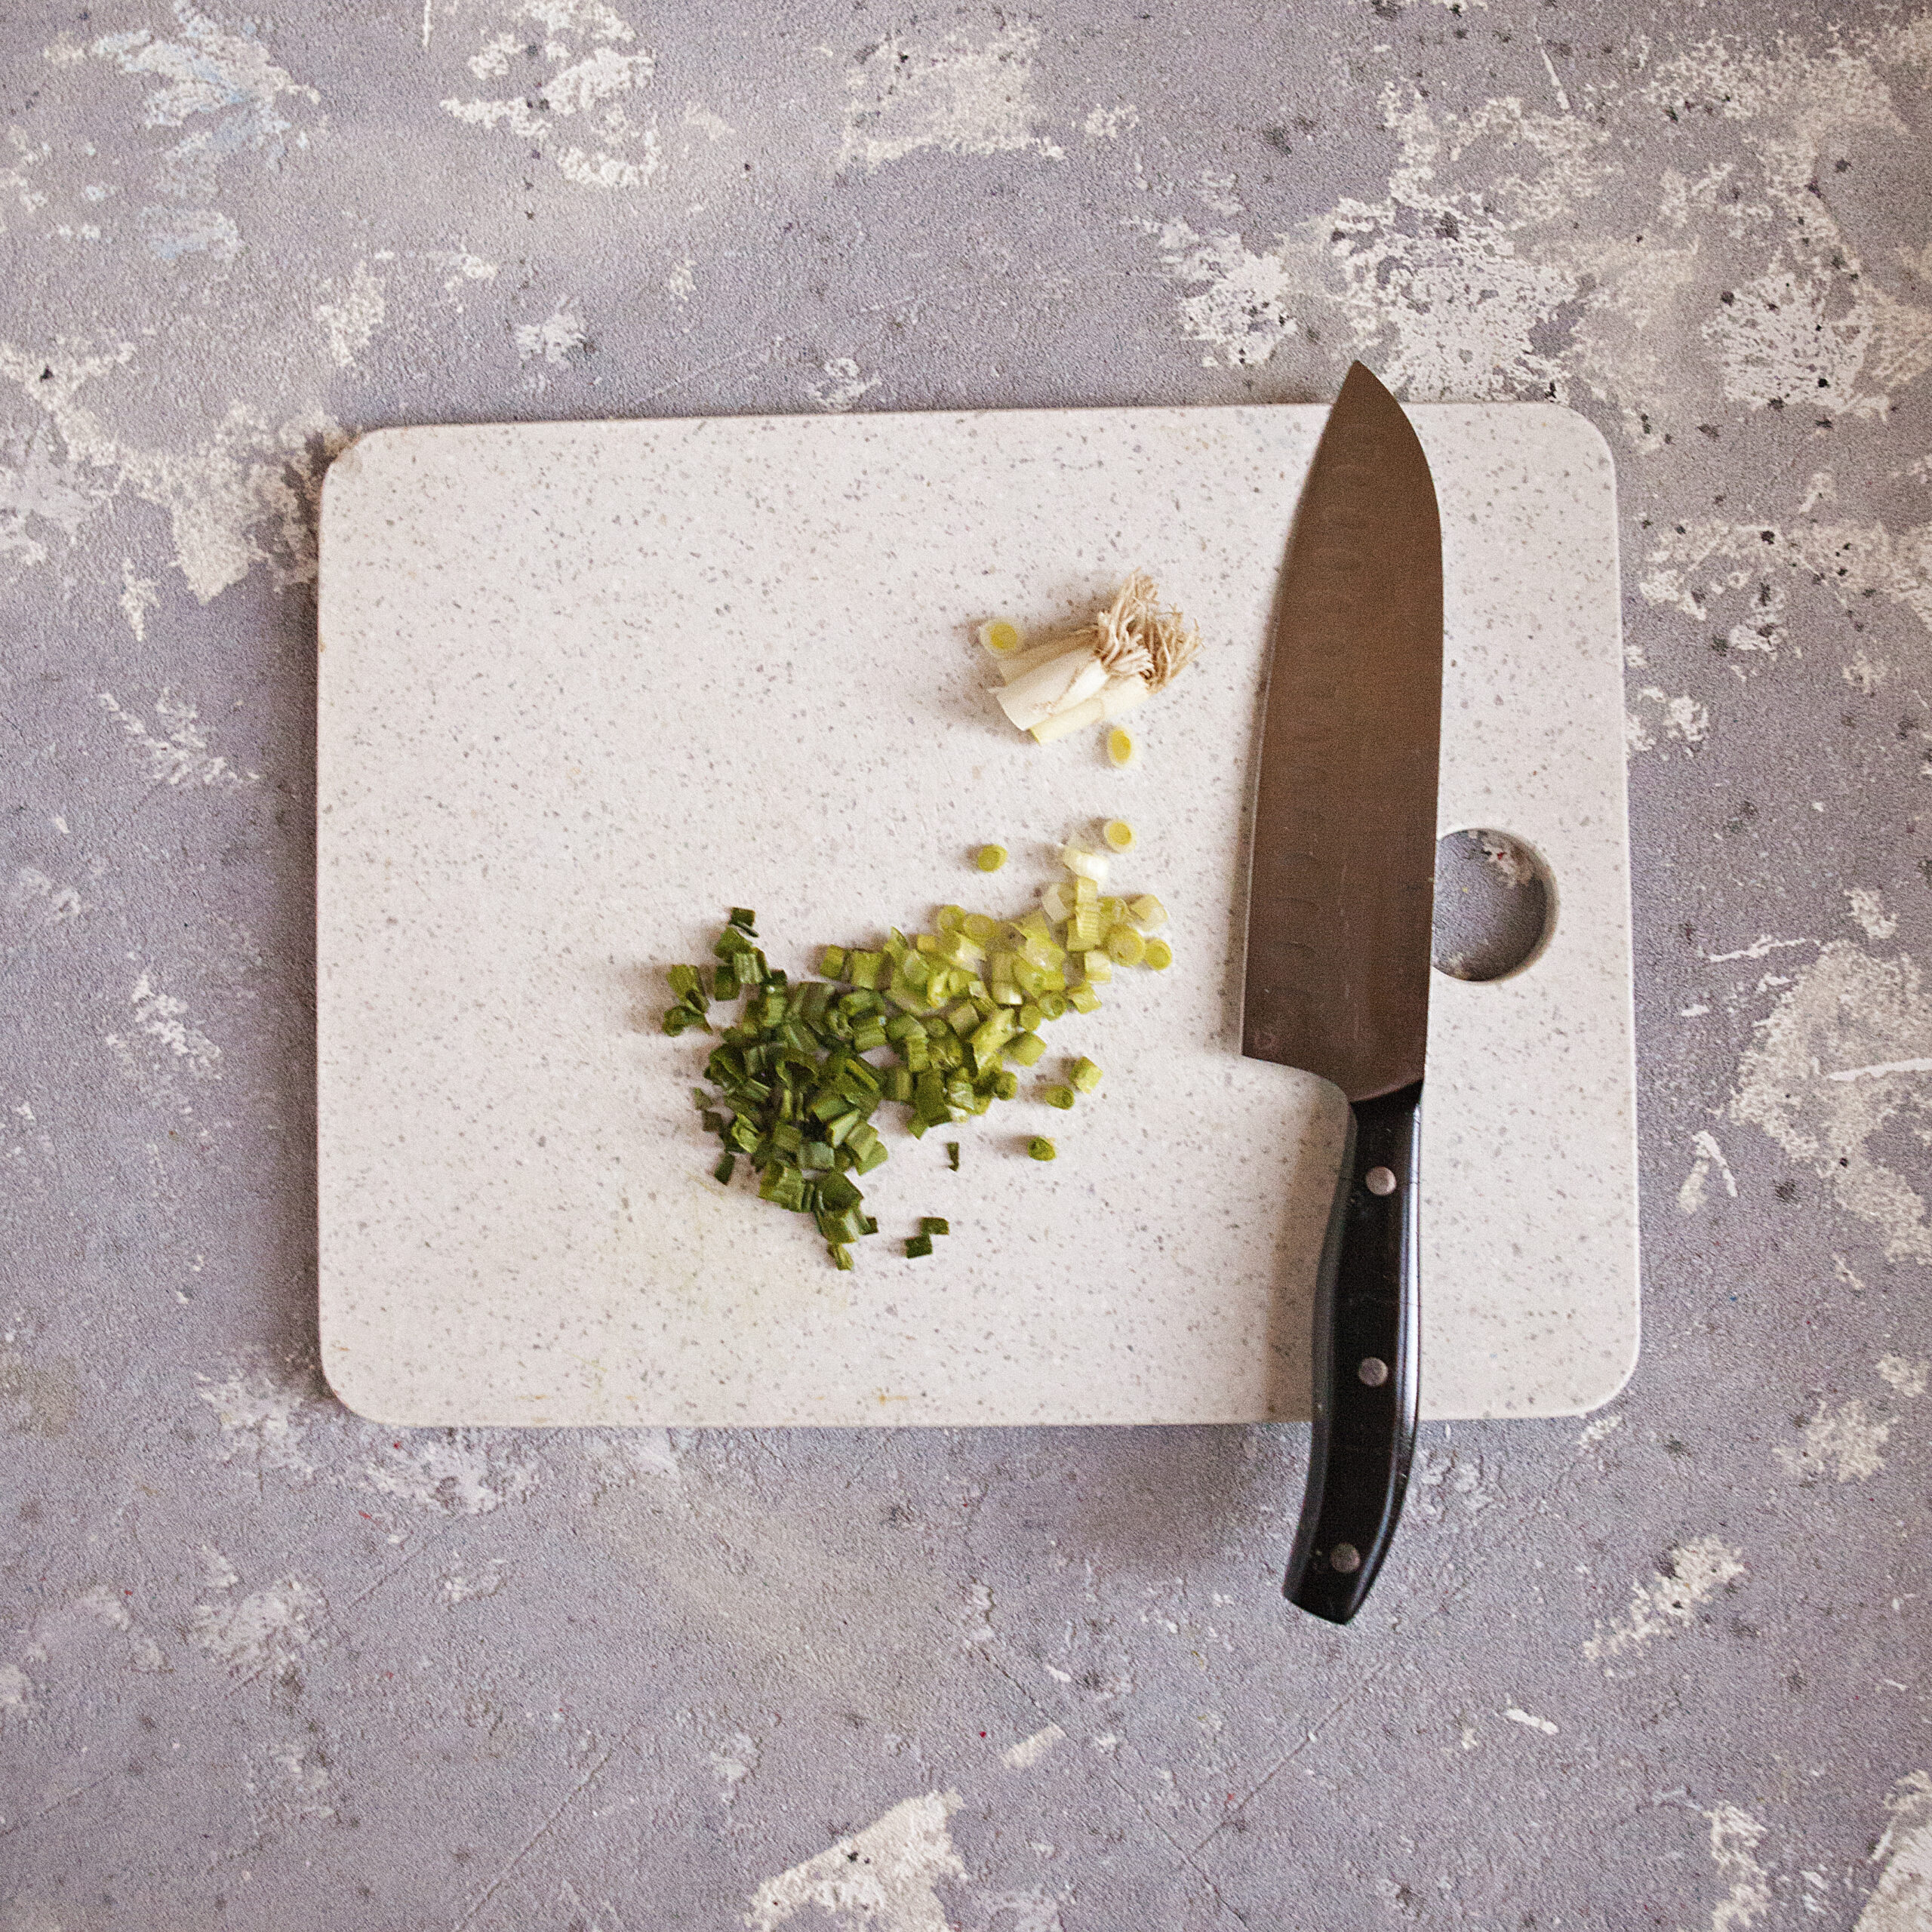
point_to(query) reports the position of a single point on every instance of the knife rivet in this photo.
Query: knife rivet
(1372, 1369)
(1345, 1558)
(1380, 1180)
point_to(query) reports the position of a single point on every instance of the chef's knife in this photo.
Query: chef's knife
(1339, 905)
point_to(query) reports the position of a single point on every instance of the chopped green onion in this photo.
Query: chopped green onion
(1041, 1148)
(744, 919)
(1119, 746)
(917, 1245)
(1000, 637)
(1078, 861)
(931, 1224)
(841, 1255)
(1117, 833)
(832, 962)
(1159, 955)
(1125, 946)
(1027, 1049)
(1006, 1083)
(1098, 968)
(1085, 1075)
(862, 968)
(990, 858)
(727, 1166)
(1083, 999)
(1053, 1003)
(1147, 912)
(1056, 902)
(952, 1155)
(1058, 1097)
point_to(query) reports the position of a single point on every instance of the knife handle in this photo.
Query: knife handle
(1367, 1361)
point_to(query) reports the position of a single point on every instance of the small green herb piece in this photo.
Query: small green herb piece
(990, 858)
(1058, 1097)
(831, 963)
(1085, 1075)
(1027, 1049)
(952, 1155)
(917, 1245)
(841, 1255)
(1159, 955)
(931, 1224)
(1041, 1148)
(727, 1166)
(744, 919)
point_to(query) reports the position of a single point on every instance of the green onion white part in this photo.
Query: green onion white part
(1132, 649)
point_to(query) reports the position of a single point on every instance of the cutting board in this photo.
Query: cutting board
(584, 686)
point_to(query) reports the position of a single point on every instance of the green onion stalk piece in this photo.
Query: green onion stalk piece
(1041, 1148)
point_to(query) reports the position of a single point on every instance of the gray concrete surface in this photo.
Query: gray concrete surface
(263, 1664)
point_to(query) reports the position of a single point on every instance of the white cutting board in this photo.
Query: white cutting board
(583, 686)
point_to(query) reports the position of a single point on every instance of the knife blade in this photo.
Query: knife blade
(1341, 898)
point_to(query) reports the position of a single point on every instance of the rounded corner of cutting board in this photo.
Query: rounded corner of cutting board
(375, 1398)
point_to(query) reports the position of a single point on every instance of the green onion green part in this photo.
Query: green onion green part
(1041, 1148)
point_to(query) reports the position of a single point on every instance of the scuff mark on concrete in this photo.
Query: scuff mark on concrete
(1868, 907)
(350, 321)
(577, 112)
(1843, 1442)
(1239, 308)
(36, 488)
(1709, 1155)
(1735, 1838)
(1028, 1752)
(272, 1625)
(245, 494)
(37, 1399)
(183, 757)
(842, 386)
(879, 1880)
(558, 339)
(1902, 1900)
(276, 1422)
(1907, 1376)
(955, 96)
(225, 83)
(1693, 1573)
(1871, 1021)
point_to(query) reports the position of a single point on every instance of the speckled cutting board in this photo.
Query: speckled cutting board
(583, 686)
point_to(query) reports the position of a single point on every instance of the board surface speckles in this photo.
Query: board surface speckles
(585, 686)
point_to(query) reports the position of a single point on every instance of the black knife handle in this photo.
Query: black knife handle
(1367, 1361)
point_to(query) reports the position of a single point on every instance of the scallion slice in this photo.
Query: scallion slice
(1121, 747)
(990, 858)
(1119, 834)
(1041, 1148)
(1159, 955)
(931, 1224)
(1058, 1097)
(917, 1245)
(1085, 1075)
(1147, 912)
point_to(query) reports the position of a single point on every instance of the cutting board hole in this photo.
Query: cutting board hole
(1494, 900)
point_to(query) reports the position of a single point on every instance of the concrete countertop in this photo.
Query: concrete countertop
(265, 1664)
